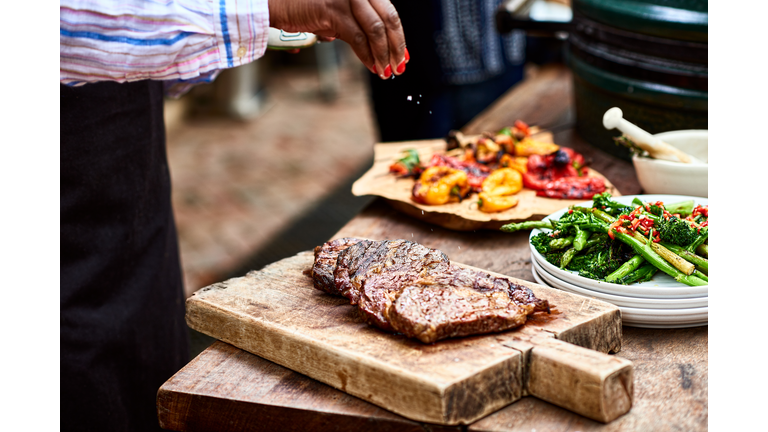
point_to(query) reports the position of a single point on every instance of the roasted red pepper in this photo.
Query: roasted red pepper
(523, 127)
(561, 175)
(543, 169)
(573, 188)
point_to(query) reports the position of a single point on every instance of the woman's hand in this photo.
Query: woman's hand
(371, 27)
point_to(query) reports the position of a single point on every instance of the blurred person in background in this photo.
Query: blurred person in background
(122, 328)
(461, 66)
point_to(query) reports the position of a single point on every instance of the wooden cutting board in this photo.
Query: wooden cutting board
(461, 216)
(276, 313)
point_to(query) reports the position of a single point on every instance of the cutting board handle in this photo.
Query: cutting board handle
(590, 383)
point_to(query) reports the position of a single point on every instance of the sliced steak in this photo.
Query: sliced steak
(402, 286)
(481, 281)
(325, 263)
(370, 274)
(433, 312)
(461, 302)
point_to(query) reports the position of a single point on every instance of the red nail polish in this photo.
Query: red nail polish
(401, 67)
(388, 71)
(374, 70)
(407, 56)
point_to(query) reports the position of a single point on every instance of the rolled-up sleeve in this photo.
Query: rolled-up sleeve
(175, 40)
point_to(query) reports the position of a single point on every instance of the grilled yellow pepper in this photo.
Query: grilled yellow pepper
(503, 181)
(519, 163)
(527, 147)
(498, 190)
(496, 203)
(440, 185)
(486, 150)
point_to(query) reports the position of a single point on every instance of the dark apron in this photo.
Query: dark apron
(122, 301)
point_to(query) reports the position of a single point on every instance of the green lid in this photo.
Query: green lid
(671, 19)
(638, 90)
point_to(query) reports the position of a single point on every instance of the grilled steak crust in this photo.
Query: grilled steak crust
(369, 274)
(461, 302)
(481, 281)
(325, 263)
(402, 286)
(433, 312)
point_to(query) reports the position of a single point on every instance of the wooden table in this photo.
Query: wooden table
(227, 389)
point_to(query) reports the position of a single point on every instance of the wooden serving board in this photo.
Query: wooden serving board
(276, 313)
(462, 216)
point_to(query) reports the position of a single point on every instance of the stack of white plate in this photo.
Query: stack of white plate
(660, 303)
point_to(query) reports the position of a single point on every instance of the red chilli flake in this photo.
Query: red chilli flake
(700, 210)
(612, 227)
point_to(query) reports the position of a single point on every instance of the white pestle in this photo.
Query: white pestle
(656, 148)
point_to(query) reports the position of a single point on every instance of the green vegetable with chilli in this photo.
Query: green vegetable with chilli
(625, 244)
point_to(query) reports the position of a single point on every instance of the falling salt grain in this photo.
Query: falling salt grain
(430, 112)
(409, 98)
(455, 359)
(417, 102)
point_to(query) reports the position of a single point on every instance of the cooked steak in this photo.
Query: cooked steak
(461, 302)
(402, 286)
(325, 263)
(481, 281)
(386, 266)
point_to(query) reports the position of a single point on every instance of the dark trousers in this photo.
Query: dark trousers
(122, 328)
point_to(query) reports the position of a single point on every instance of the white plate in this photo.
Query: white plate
(671, 315)
(661, 286)
(645, 318)
(645, 303)
(667, 326)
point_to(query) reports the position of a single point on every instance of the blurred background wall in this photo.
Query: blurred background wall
(257, 150)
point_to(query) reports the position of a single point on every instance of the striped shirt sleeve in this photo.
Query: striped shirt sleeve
(181, 41)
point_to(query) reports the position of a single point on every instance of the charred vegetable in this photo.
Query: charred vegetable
(440, 185)
(407, 166)
(561, 174)
(498, 190)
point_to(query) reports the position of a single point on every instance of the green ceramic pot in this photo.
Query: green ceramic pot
(654, 107)
(629, 54)
(672, 19)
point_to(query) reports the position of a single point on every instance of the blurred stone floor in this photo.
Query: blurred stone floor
(241, 187)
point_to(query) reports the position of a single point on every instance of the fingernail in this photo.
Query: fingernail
(374, 70)
(407, 56)
(401, 67)
(388, 71)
